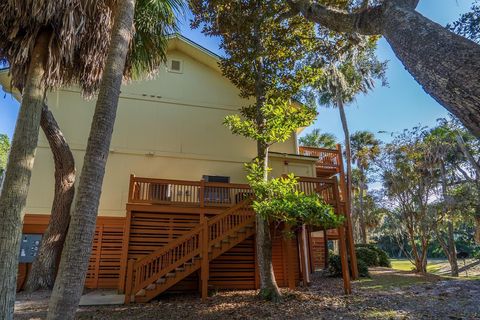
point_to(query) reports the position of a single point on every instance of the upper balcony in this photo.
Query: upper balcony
(211, 197)
(329, 160)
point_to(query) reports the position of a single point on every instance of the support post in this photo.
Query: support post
(344, 259)
(205, 260)
(124, 255)
(348, 213)
(290, 262)
(325, 248)
(343, 245)
(257, 275)
(303, 258)
(201, 193)
(129, 284)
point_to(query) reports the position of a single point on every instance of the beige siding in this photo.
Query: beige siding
(168, 127)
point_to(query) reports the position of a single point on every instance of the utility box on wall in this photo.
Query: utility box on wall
(29, 247)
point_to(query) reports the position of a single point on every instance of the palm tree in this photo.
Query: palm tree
(47, 44)
(156, 20)
(346, 75)
(365, 149)
(145, 55)
(318, 139)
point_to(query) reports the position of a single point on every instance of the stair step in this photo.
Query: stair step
(225, 241)
(141, 293)
(161, 280)
(151, 286)
(188, 264)
(170, 275)
(180, 269)
(217, 245)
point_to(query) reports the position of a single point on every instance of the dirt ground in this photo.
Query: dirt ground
(388, 294)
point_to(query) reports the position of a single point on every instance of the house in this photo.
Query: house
(175, 206)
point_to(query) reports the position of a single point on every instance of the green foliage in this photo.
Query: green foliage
(155, 20)
(368, 256)
(259, 45)
(476, 253)
(365, 148)
(468, 25)
(4, 148)
(372, 255)
(281, 119)
(335, 266)
(318, 139)
(279, 199)
(350, 73)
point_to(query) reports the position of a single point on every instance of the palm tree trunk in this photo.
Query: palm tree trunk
(361, 216)
(18, 173)
(78, 245)
(44, 268)
(348, 150)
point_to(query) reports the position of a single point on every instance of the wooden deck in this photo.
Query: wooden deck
(171, 224)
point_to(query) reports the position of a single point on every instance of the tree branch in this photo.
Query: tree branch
(367, 21)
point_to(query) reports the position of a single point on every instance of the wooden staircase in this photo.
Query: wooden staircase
(153, 274)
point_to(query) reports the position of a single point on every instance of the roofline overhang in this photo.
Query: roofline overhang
(291, 156)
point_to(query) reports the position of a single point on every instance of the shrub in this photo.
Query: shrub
(476, 252)
(382, 257)
(335, 266)
(370, 257)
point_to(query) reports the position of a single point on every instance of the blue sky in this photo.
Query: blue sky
(403, 104)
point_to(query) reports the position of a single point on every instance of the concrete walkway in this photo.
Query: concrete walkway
(102, 297)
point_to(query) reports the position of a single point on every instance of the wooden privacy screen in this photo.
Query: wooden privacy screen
(318, 256)
(235, 269)
(104, 267)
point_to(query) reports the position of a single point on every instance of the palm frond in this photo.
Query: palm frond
(155, 20)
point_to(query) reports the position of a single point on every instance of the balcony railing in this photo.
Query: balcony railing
(182, 192)
(328, 159)
(211, 194)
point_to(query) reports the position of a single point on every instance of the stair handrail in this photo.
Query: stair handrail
(152, 265)
(174, 263)
(222, 224)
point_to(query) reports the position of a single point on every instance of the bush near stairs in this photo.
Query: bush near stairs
(368, 255)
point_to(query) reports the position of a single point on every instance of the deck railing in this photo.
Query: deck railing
(321, 186)
(182, 192)
(327, 158)
(212, 194)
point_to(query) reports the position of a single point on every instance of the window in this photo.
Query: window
(218, 195)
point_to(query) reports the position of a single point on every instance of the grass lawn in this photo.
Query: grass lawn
(433, 265)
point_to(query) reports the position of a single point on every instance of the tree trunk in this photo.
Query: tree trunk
(44, 268)
(263, 240)
(268, 285)
(477, 229)
(18, 173)
(348, 152)
(363, 227)
(452, 250)
(78, 245)
(442, 62)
